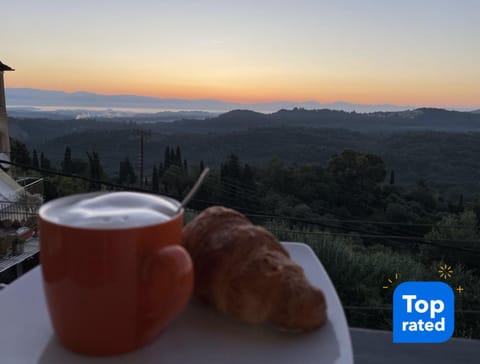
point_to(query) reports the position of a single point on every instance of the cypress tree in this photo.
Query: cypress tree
(166, 157)
(67, 160)
(126, 172)
(171, 157)
(231, 169)
(178, 157)
(247, 177)
(121, 173)
(35, 162)
(95, 170)
(155, 182)
(19, 153)
(392, 177)
(44, 162)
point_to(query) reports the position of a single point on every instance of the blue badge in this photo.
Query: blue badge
(423, 312)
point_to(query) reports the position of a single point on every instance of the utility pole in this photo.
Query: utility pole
(142, 134)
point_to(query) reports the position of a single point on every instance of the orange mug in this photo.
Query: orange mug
(114, 272)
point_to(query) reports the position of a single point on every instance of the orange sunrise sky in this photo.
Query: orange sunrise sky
(421, 53)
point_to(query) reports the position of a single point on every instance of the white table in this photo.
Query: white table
(199, 335)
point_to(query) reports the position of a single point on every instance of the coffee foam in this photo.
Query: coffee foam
(113, 210)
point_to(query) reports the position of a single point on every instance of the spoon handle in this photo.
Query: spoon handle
(195, 188)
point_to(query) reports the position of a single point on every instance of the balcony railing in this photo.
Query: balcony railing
(31, 185)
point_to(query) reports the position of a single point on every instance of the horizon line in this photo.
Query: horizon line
(260, 102)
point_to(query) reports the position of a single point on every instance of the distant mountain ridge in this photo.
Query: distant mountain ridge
(418, 119)
(37, 130)
(36, 97)
(435, 156)
(105, 114)
(417, 144)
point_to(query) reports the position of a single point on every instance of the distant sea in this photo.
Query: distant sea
(133, 110)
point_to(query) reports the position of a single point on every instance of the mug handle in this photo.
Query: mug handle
(167, 281)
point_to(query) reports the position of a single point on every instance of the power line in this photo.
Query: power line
(360, 232)
(362, 222)
(216, 183)
(248, 193)
(83, 178)
(222, 184)
(423, 241)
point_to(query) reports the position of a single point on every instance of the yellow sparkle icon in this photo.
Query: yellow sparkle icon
(389, 280)
(459, 289)
(445, 271)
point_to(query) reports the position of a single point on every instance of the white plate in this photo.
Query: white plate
(199, 335)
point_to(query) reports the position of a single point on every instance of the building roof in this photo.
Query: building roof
(9, 188)
(4, 157)
(4, 67)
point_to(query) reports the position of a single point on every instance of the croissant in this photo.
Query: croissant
(244, 272)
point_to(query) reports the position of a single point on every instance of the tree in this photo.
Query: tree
(50, 190)
(248, 178)
(126, 173)
(178, 157)
(67, 186)
(167, 160)
(155, 180)
(231, 169)
(79, 166)
(357, 177)
(35, 162)
(397, 212)
(230, 177)
(279, 177)
(67, 161)
(44, 162)
(392, 177)
(19, 153)
(311, 184)
(423, 195)
(356, 170)
(171, 157)
(160, 169)
(95, 170)
(476, 211)
(455, 229)
(460, 203)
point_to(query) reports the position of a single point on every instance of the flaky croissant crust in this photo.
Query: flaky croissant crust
(244, 272)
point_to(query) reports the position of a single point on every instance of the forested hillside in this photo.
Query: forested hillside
(364, 225)
(375, 195)
(435, 145)
(437, 157)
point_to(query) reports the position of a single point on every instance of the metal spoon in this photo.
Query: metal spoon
(194, 189)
